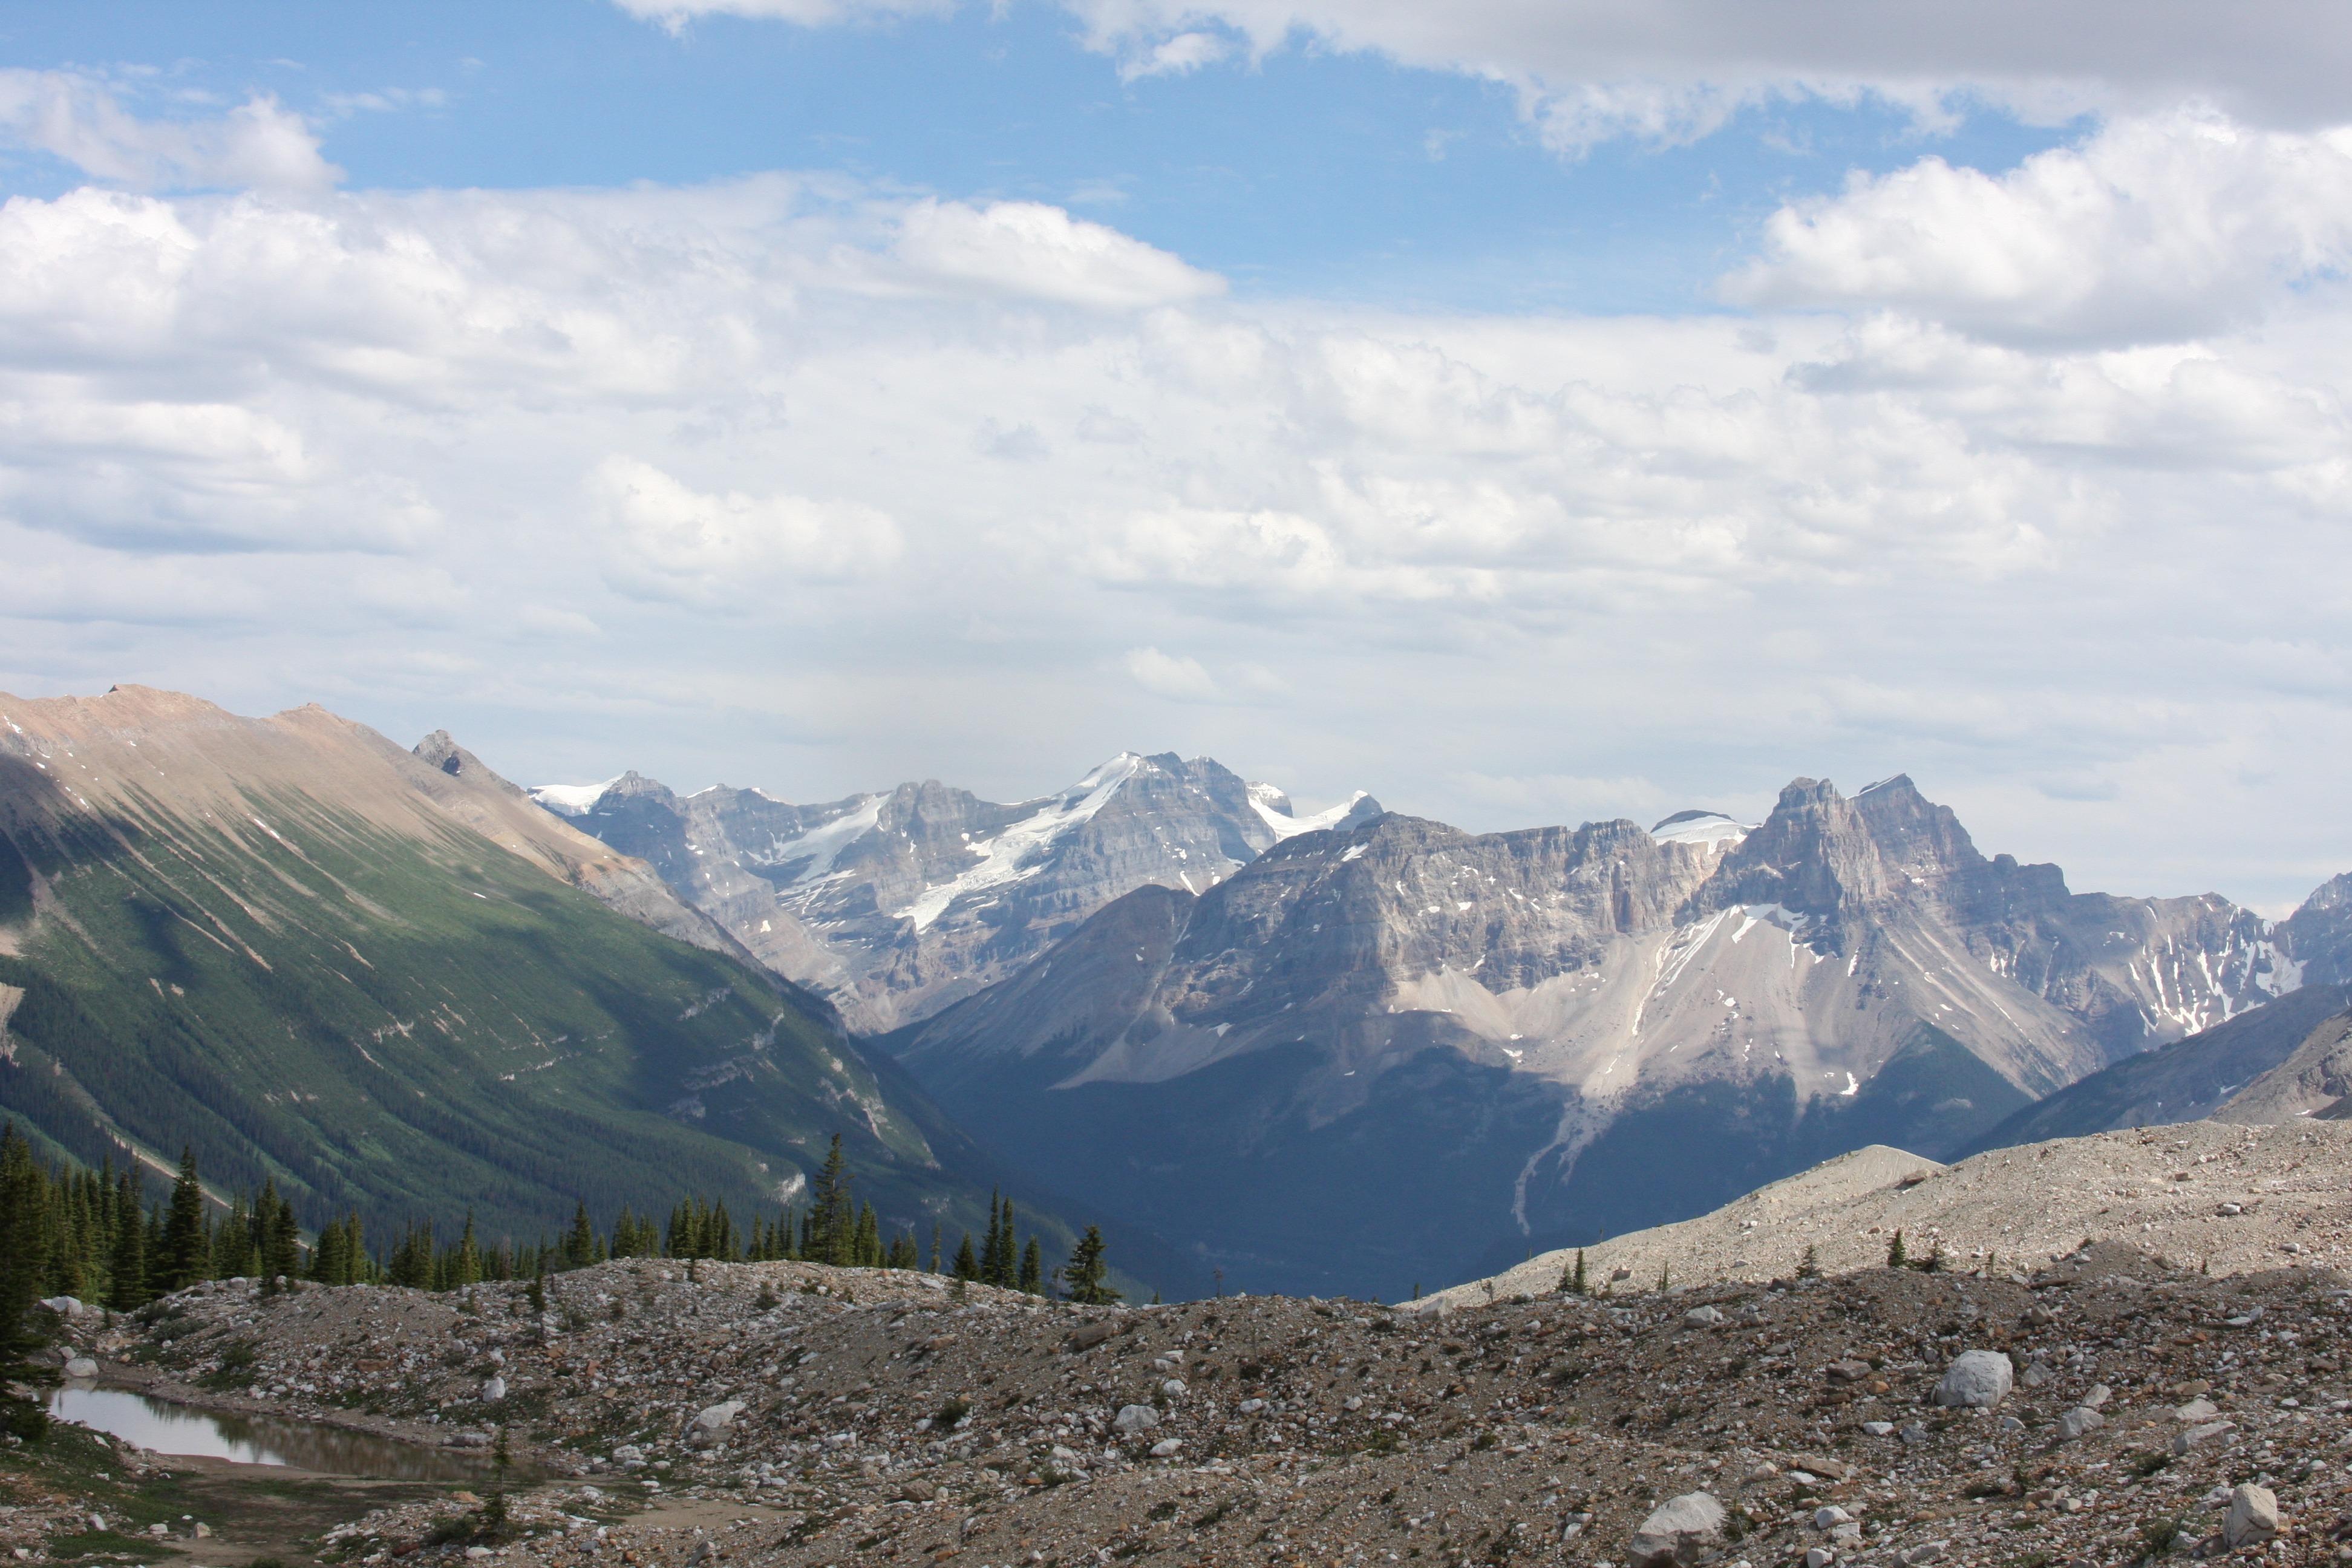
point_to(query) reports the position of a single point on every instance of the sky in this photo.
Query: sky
(1531, 412)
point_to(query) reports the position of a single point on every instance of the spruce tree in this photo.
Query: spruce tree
(1085, 1273)
(186, 1249)
(991, 1251)
(833, 1218)
(465, 1264)
(24, 1242)
(580, 1244)
(127, 1269)
(967, 1267)
(1896, 1258)
(1032, 1269)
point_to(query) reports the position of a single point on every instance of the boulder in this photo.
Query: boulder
(1679, 1532)
(2253, 1516)
(81, 1367)
(493, 1390)
(1976, 1380)
(1702, 1317)
(1926, 1551)
(1134, 1418)
(2204, 1432)
(64, 1306)
(2197, 1410)
(718, 1417)
(1166, 1448)
(2078, 1421)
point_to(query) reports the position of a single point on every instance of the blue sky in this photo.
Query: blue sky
(1342, 176)
(1528, 412)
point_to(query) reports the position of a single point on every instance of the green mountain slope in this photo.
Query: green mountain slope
(316, 958)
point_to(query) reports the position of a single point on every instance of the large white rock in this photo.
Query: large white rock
(2077, 1421)
(493, 1390)
(2254, 1515)
(717, 1417)
(1134, 1418)
(1679, 1532)
(1977, 1380)
(81, 1367)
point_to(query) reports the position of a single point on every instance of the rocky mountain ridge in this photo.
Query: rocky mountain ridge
(1590, 1028)
(894, 903)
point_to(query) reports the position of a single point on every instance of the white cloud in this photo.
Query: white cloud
(672, 542)
(1029, 251)
(1589, 72)
(2157, 229)
(259, 144)
(1176, 55)
(1176, 678)
(714, 482)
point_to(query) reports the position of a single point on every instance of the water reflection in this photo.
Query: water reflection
(168, 1429)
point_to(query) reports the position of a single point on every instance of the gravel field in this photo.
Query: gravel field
(790, 1413)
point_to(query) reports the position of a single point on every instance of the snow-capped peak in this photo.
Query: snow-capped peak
(1273, 808)
(1004, 858)
(571, 800)
(1711, 828)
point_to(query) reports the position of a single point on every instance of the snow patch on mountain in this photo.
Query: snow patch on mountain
(1273, 808)
(571, 800)
(1010, 854)
(1711, 828)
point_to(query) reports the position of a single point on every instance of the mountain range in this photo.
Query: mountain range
(387, 981)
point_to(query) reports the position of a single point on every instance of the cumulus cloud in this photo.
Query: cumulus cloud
(2157, 229)
(1030, 250)
(717, 482)
(669, 542)
(1176, 678)
(1589, 72)
(259, 144)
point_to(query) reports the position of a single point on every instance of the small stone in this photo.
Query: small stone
(81, 1367)
(1166, 1448)
(201, 1531)
(1879, 1428)
(2203, 1433)
(2254, 1515)
(1174, 1388)
(1702, 1317)
(494, 1390)
(2037, 1375)
(1353, 1402)
(1824, 1518)
(1916, 1432)
(1679, 1532)
(2230, 1208)
(1759, 1475)
(2078, 1421)
(2100, 1394)
(1976, 1380)
(1134, 1418)
(1251, 1406)
(1847, 1371)
(717, 1417)
(1819, 1557)
(2011, 1424)
(2197, 1410)
(1925, 1552)
(476, 1554)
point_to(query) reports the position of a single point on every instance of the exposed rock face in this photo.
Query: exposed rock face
(894, 905)
(1588, 1029)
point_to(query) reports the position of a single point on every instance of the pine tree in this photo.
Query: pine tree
(991, 1251)
(580, 1244)
(832, 1219)
(935, 1246)
(127, 1269)
(1008, 1252)
(1572, 1280)
(465, 1264)
(967, 1267)
(869, 1239)
(1085, 1273)
(1032, 1269)
(25, 1241)
(1896, 1256)
(185, 1253)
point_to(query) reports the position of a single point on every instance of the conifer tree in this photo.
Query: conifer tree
(1085, 1273)
(466, 1266)
(935, 1246)
(991, 1251)
(833, 1218)
(24, 1261)
(1896, 1258)
(127, 1268)
(232, 1248)
(186, 1252)
(967, 1267)
(580, 1244)
(1033, 1269)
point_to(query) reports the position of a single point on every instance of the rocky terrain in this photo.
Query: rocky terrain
(1591, 1030)
(2206, 1196)
(794, 1415)
(896, 903)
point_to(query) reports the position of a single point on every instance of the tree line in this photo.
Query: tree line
(93, 1235)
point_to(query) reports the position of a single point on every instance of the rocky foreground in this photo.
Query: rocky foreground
(789, 1414)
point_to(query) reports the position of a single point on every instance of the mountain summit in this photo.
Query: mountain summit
(895, 904)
